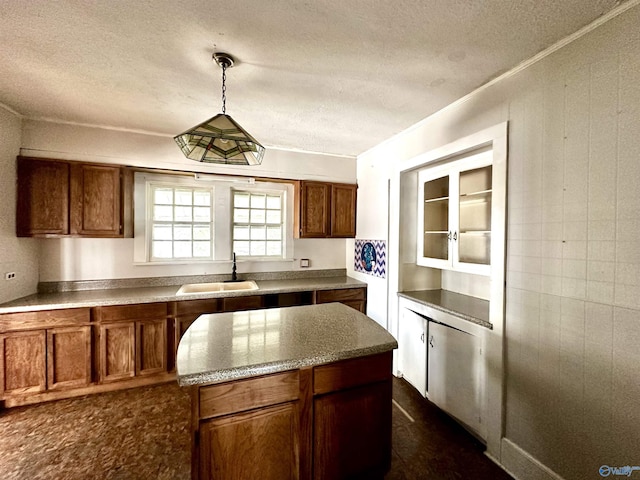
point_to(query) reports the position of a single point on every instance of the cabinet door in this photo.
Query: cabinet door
(23, 363)
(434, 222)
(117, 351)
(314, 204)
(472, 250)
(352, 433)
(343, 210)
(151, 346)
(412, 349)
(260, 444)
(68, 357)
(96, 200)
(454, 373)
(43, 198)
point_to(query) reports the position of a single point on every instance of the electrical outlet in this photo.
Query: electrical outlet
(10, 275)
(304, 263)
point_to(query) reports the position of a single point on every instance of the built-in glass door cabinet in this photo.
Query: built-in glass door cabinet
(454, 214)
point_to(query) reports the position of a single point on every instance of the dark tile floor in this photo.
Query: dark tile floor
(143, 434)
(433, 446)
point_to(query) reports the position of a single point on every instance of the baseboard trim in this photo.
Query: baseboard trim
(521, 465)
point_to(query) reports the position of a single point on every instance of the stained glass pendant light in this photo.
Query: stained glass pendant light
(220, 139)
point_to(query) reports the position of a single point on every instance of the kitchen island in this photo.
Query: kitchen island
(297, 392)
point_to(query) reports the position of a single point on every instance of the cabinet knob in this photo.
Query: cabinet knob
(431, 341)
(455, 236)
(449, 236)
(422, 337)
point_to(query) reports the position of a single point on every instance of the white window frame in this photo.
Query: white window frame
(261, 191)
(151, 221)
(222, 241)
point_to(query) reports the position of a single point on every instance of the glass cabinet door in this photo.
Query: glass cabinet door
(436, 218)
(474, 230)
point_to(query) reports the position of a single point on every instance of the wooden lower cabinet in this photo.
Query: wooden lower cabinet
(132, 341)
(68, 357)
(117, 351)
(352, 433)
(260, 444)
(327, 422)
(355, 298)
(23, 363)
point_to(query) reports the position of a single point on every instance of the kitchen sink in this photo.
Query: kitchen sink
(217, 287)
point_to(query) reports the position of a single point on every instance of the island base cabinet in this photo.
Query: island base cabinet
(352, 433)
(258, 444)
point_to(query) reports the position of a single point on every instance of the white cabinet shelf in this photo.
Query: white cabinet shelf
(455, 215)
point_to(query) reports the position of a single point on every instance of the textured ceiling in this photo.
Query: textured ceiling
(331, 76)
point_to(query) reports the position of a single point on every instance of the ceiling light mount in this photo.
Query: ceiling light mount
(224, 60)
(221, 139)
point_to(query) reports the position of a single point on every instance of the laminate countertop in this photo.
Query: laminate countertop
(472, 309)
(228, 346)
(125, 296)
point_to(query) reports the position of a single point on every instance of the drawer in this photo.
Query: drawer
(44, 319)
(352, 373)
(131, 312)
(325, 296)
(210, 305)
(232, 304)
(241, 395)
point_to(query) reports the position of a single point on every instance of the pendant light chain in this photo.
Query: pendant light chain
(224, 88)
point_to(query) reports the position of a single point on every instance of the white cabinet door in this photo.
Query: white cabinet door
(455, 215)
(454, 373)
(412, 350)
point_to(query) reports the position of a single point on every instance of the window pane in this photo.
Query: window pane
(201, 249)
(258, 233)
(274, 233)
(182, 232)
(241, 248)
(183, 214)
(183, 197)
(201, 232)
(182, 249)
(202, 198)
(201, 214)
(241, 199)
(258, 248)
(240, 215)
(257, 216)
(273, 216)
(161, 249)
(163, 195)
(162, 213)
(274, 248)
(162, 232)
(241, 232)
(258, 201)
(274, 202)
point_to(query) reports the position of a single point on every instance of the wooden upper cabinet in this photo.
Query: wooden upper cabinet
(313, 203)
(343, 210)
(43, 198)
(95, 200)
(325, 210)
(58, 198)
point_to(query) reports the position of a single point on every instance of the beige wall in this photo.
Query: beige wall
(19, 255)
(573, 248)
(72, 259)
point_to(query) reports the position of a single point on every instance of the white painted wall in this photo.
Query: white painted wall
(573, 254)
(19, 255)
(71, 259)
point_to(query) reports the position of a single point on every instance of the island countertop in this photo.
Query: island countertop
(228, 346)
